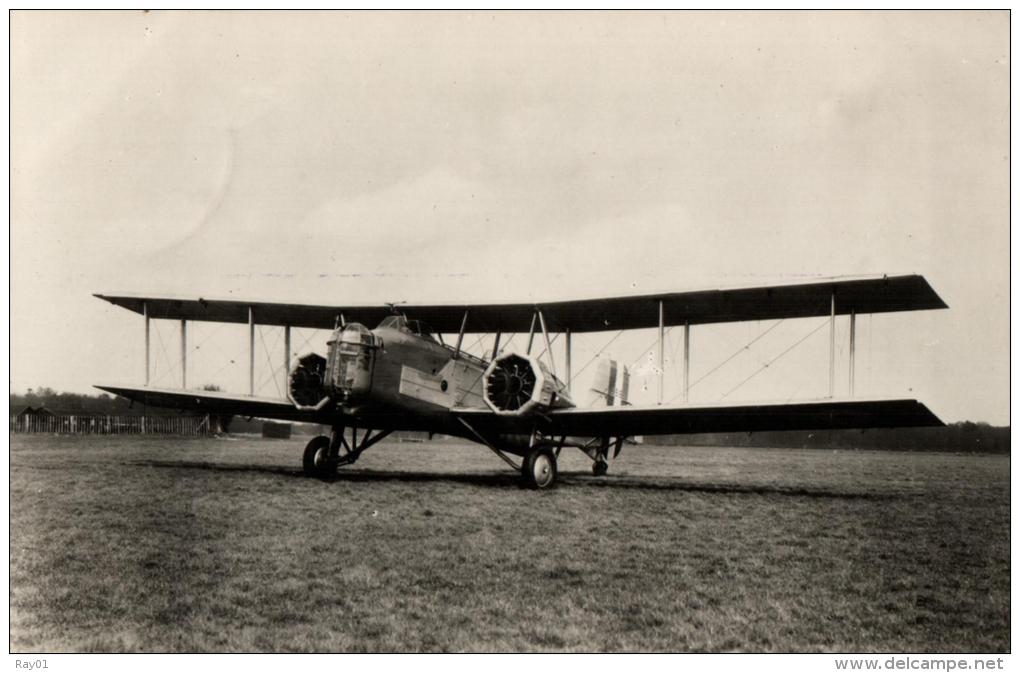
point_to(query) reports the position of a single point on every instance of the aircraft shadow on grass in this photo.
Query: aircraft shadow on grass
(512, 480)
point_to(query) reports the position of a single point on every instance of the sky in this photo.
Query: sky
(366, 157)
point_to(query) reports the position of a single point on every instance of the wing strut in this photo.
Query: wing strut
(567, 355)
(548, 344)
(251, 351)
(460, 335)
(145, 312)
(687, 361)
(662, 357)
(832, 346)
(484, 441)
(286, 354)
(853, 331)
(184, 354)
(495, 345)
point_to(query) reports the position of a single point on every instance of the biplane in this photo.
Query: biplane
(400, 375)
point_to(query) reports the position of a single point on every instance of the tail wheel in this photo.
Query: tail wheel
(539, 469)
(317, 461)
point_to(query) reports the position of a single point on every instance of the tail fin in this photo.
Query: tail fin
(605, 390)
(604, 385)
(624, 387)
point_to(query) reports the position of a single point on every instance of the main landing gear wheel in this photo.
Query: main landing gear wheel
(599, 468)
(317, 462)
(539, 469)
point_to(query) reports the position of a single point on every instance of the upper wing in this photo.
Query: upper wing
(679, 420)
(217, 403)
(799, 300)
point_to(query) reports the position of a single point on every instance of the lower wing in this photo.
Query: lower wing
(210, 402)
(679, 420)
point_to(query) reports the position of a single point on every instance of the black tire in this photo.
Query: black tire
(599, 468)
(316, 461)
(539, 469)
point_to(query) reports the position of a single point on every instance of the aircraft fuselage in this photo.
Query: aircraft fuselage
(383, 375)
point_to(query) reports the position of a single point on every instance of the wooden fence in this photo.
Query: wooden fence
(111, 425)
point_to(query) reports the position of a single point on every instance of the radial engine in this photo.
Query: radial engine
(345, 376)
(521, 384)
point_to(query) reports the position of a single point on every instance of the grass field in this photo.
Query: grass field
(158, 545)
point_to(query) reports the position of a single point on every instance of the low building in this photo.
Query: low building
(36, 412)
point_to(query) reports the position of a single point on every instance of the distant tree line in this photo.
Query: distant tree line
(965, 437)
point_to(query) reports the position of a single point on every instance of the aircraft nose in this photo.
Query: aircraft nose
(351, 361)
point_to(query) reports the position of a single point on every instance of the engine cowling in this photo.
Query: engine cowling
(306, 385)
(352, 353)
(520, 384)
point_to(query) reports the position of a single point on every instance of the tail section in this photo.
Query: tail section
(624, 388)
(611, 386)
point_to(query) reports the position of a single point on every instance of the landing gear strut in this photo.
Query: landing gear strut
(598, 450)
(539, 468)
(322, 455)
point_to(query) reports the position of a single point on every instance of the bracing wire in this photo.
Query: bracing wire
(770, 362)
(166, 356)
(175, 363)
(551, 342)
(649, 348)
(600, 352)
(227, 361)
(504, 347)
(216, 373)
(307, 340)
(269, 360)
(158, 375)
(470, 349)
(730, 358)
(208, 338)
(482, 374)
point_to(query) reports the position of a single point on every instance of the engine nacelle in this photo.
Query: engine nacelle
(520, 384)
(306, 385)
(352, 352)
